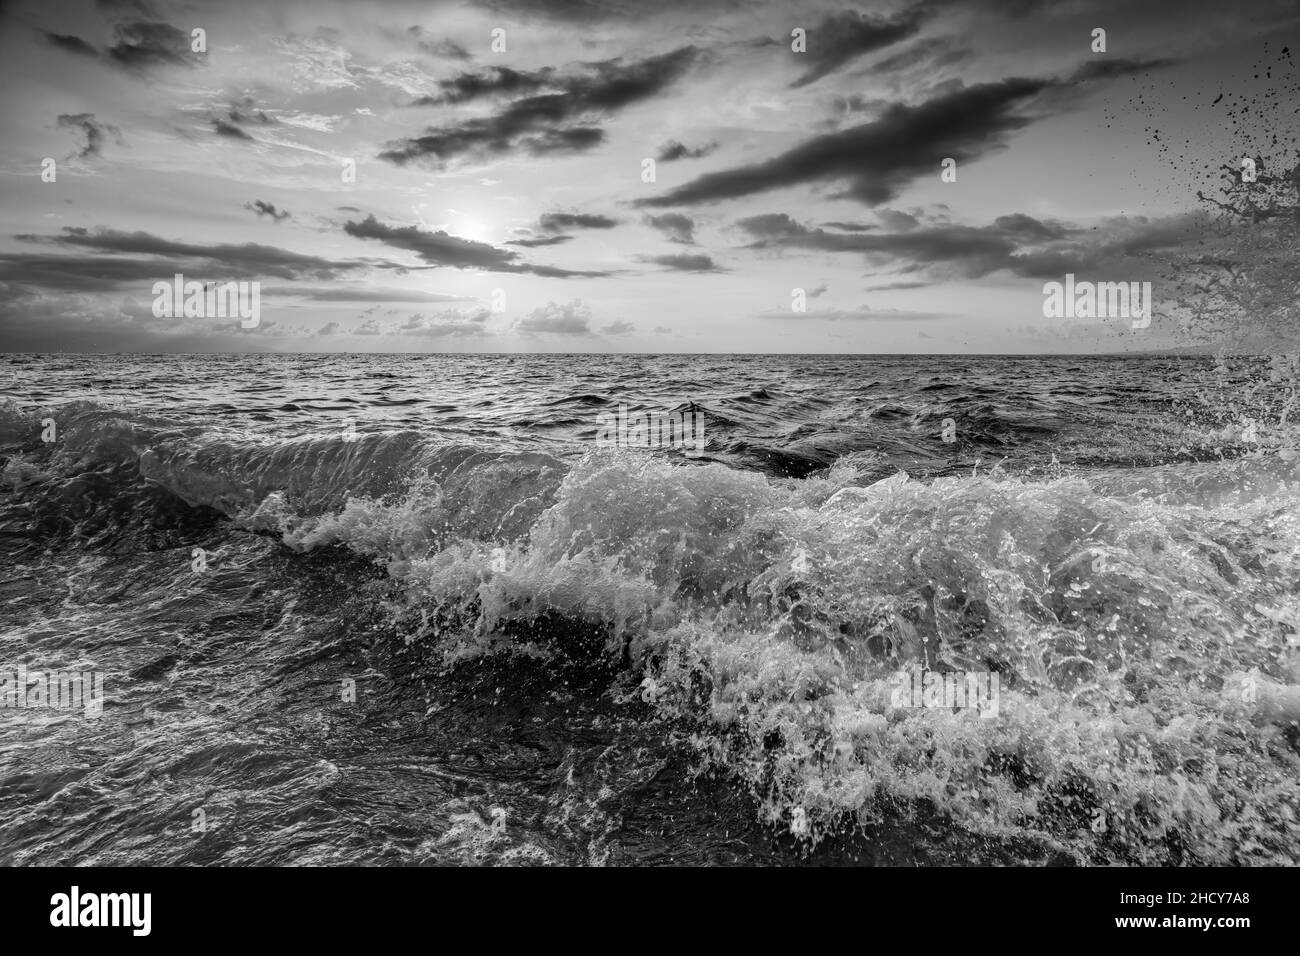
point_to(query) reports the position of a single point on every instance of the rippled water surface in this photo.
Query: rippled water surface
(403, 610)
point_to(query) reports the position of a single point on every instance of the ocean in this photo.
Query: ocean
(447, 609)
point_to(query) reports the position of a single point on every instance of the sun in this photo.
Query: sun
(474, 229)
(454, 222)
(468, 225)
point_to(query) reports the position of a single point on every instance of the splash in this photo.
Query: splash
(1141, 623)
(768, 620)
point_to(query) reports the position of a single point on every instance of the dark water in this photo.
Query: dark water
(563, 653)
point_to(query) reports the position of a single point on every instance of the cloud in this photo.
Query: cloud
(69, 43)
(90, 321)
(266, 209)
(441, 249)
(684, 263)
(677, 227)
(672, 151)
(142, 44)
(1105, 68)
(1015, 243)
(540, 241)
(551, 122)
(559, 221)
(933, 53)
(436, 248)
(443, 48)
(219, 260)
(863, 313)
(361, 294)
(490, 82)
(877, 159)
(972, 251)
(618, 327)
(896, 220)
(573, 318)
(229, 129)
(95, 132)
(843, 37)
(236, 118)
(451, 322)
(79, 273)
(245, 113)
(849, 226)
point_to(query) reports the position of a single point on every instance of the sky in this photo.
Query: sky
(594, 176)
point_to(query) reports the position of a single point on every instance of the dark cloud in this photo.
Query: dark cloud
(684, 263)
(845, 36)
(901, 284)
(1024, 228)
(221, 260)
(1017, 243)
(229, 129)
(79, 273)
(266, 209)
(672, 151)
(879, 158)
(436, 248)
(677, 227)
(69, 43)
(1106, 68)
(559, 221)
(94, 131)
(441, 249)
(237, 117)
(971, 251)
(244, 114)
(897, 221)
(618, 327)
(492, 81)
(552, 122)
(142, 44)
(138, 44)
(540, 241)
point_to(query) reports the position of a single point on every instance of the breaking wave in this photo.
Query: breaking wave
(765, 620)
